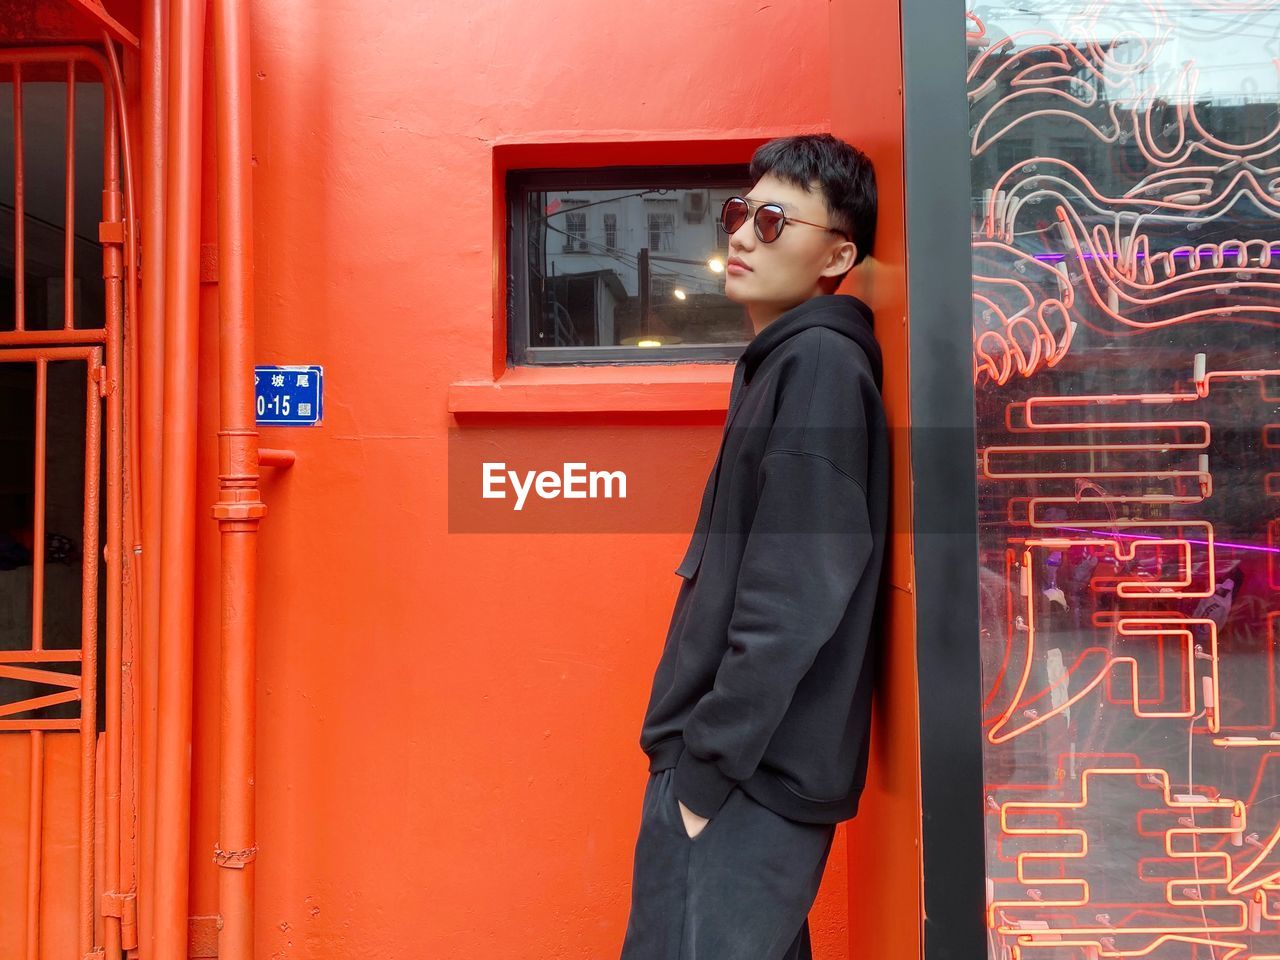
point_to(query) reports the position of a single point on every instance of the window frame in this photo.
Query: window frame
(520, 182)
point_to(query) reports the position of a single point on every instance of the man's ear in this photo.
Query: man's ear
(841, 260)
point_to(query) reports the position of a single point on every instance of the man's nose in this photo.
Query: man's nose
(743, 238)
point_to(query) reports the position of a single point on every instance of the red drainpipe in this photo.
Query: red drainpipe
(172, 847)
(154, 49)
(121, 928)
(239, 508)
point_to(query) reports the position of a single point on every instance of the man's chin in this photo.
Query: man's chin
(731, 292)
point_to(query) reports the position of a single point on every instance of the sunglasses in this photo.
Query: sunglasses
(770, 218)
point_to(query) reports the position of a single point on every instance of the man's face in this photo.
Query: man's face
(787, 271)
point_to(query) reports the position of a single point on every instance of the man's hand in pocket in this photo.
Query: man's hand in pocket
(693, 824)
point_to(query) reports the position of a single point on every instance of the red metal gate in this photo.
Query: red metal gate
(66, 779)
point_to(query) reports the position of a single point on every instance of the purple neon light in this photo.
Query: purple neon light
(1152, 536)
(1177, 253)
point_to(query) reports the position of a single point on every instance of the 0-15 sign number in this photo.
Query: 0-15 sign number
(279, 405)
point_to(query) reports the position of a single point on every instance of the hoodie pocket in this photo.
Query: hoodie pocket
(673, 805)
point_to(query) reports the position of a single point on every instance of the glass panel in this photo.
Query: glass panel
(1126, 196)
(629, 267)
(44, 222)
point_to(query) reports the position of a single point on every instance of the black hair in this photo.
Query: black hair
(842, 171)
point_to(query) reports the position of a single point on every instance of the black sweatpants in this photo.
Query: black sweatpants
(740, 890)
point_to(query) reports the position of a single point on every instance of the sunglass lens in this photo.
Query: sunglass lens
(733, 215)
(769, 223)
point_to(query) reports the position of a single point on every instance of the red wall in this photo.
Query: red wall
(885, 897)
(448, 763)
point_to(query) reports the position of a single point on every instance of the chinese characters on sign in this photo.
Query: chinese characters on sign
(289, 396)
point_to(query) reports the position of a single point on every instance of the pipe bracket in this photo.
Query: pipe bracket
(234, 859)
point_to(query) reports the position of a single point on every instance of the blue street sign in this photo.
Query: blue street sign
(291, 396)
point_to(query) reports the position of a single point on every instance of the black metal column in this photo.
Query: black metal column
(942, 452)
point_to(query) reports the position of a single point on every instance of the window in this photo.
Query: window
(575, 224)
(582, 290)
(662, 226)
(663, 286)
(1013, 152)
(1127, 575)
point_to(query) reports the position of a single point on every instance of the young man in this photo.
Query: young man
(757, 724)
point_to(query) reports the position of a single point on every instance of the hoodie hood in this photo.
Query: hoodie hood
(842, 312)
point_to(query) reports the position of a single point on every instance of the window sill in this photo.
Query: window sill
(675, 387)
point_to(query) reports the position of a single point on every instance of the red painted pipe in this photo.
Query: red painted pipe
(113, 264)
(121, 797)
(151, 387)
(239, 508)
(178, 482)
(275, 458)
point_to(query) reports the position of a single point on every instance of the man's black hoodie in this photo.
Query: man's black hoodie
(765, 680)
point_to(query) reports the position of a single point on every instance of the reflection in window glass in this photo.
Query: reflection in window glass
(1126, 261)
(639, 268)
